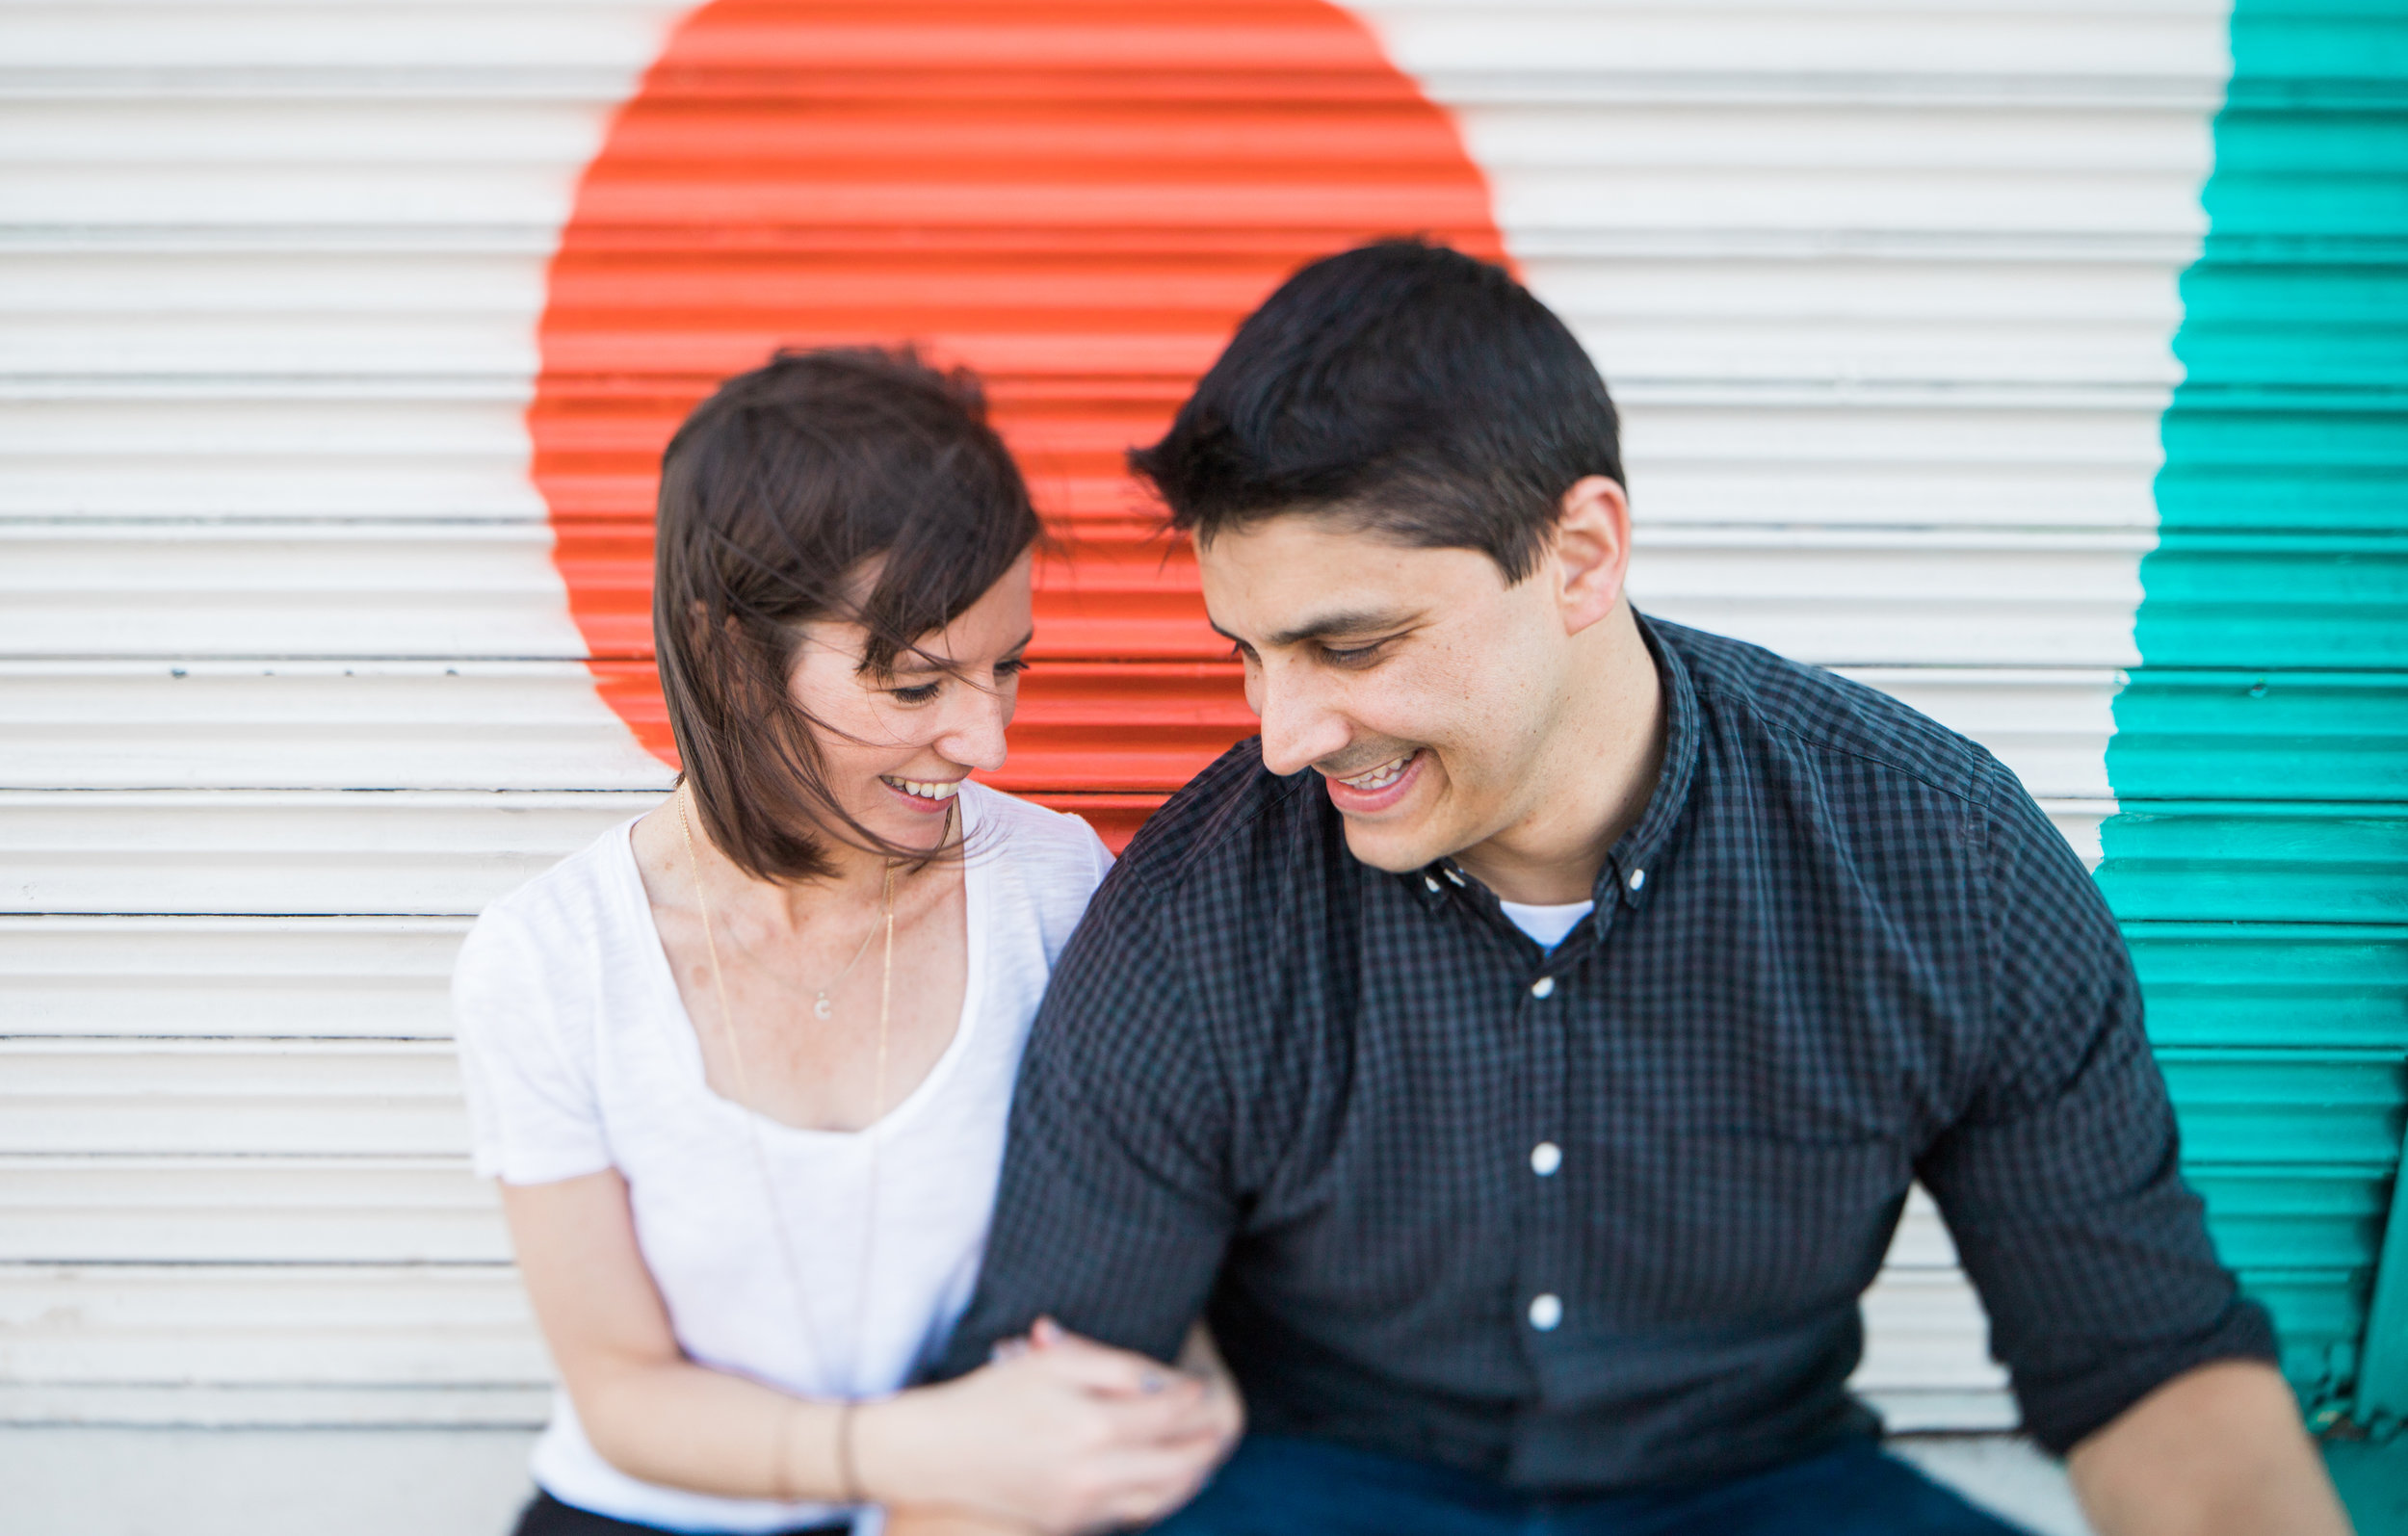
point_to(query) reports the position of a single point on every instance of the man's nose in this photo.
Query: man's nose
(1299, 728)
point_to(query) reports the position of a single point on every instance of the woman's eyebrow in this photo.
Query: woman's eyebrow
(923, 662)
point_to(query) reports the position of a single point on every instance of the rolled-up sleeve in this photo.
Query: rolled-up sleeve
(1113, 1210)
(2060, 1181)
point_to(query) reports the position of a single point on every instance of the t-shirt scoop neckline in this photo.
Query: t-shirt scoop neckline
(561, 1016)
(673, 1015)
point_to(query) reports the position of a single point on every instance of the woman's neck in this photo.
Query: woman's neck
(857, 879)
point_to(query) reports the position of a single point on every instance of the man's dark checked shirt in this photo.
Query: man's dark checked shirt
(1601, 1217)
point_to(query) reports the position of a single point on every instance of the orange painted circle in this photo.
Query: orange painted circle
(1079, 199)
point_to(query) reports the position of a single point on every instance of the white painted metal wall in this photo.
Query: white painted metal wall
(288, 687)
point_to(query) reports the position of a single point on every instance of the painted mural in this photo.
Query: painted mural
(1077, 201)
(2042, 366)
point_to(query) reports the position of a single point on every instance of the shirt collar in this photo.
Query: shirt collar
(1630, 867)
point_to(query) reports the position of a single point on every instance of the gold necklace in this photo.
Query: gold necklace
(752, 1127)
(821, 1007)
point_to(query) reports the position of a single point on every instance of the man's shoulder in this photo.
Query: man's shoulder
(1790, 707)
(1228, 818)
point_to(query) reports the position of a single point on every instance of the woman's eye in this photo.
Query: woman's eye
(1013, 669)
(922, 693)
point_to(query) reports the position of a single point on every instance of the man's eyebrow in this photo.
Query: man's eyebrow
(921, 661)
(1360, 621)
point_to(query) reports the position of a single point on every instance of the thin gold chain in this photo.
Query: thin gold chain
(821, 1007)
(745, 1103)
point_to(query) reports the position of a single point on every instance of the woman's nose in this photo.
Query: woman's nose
(974, 737)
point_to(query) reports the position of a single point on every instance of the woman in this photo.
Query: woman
(741, 1066)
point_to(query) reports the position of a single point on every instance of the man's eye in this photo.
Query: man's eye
(922, 693)
(1352, 655)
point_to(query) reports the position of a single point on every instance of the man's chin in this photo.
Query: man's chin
(1396, 847)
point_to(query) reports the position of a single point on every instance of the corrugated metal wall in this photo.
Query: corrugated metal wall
(288, 687)
(2261, 756)
(320, 481)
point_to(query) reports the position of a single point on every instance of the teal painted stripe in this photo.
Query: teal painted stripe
(2212, 984)
(2268, 599)
(2319, 736)
(2260, 859)
(2256, 861)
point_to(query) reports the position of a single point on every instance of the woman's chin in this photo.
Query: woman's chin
(911, 820)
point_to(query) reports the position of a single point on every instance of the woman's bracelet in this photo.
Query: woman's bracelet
(848, 1476)
(781, 1462)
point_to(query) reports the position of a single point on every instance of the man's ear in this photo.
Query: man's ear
(1591, 552)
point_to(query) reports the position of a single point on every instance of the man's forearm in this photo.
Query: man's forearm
(2216, 1452)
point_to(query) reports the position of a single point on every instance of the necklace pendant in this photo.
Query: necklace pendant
(823, 1009)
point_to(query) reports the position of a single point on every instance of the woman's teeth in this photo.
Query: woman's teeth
(926, 790)
(1379, 778)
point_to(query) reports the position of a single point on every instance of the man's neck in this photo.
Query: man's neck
(1599, 768)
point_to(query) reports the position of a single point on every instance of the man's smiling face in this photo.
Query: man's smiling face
(1416, 682)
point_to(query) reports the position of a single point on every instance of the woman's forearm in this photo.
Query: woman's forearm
(688, 1427)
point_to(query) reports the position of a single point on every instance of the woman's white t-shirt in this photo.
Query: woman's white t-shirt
(580, 1056)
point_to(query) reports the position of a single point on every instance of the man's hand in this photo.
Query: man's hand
(2217, 1451)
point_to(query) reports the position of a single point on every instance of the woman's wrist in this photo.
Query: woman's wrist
(811, 1469)
(876, 1448)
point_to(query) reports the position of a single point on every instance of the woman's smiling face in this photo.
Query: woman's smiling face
(895, 746)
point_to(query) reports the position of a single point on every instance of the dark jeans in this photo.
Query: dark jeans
(546, 1516)
(1276, 1486)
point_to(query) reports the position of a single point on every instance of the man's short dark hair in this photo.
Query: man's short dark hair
(1418, 390)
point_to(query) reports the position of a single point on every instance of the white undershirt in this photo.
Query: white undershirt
(579, 1056)
(1547, 925)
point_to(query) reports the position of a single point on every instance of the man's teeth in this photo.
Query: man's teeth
(1379, 778)
(928, 790)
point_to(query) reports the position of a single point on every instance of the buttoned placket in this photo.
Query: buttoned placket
(1546, 1255)
(1545, 1168)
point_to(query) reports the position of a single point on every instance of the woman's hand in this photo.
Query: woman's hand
(935, 1519)
(1065, 1436)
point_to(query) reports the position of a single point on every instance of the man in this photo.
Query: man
(1522, 1053)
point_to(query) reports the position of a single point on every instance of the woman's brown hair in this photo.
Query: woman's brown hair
(776, 495)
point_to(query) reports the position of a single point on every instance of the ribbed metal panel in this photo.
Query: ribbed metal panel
(2261, 859)
(1886, 292)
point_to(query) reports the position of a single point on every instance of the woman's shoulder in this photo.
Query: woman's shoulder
(1025, 830)
(569, 909)
(1054, 856)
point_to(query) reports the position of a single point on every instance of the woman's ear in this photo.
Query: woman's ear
(1591, 552)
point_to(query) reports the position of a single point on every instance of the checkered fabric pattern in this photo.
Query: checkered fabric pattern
(1601, 1217)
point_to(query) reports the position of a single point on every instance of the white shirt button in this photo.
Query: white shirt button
(1638, 878)
(1546, 1311)
(1545, 1158)
(1543, 987)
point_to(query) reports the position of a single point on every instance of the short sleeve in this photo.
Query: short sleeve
(2060, 1181)
(532, 1110)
